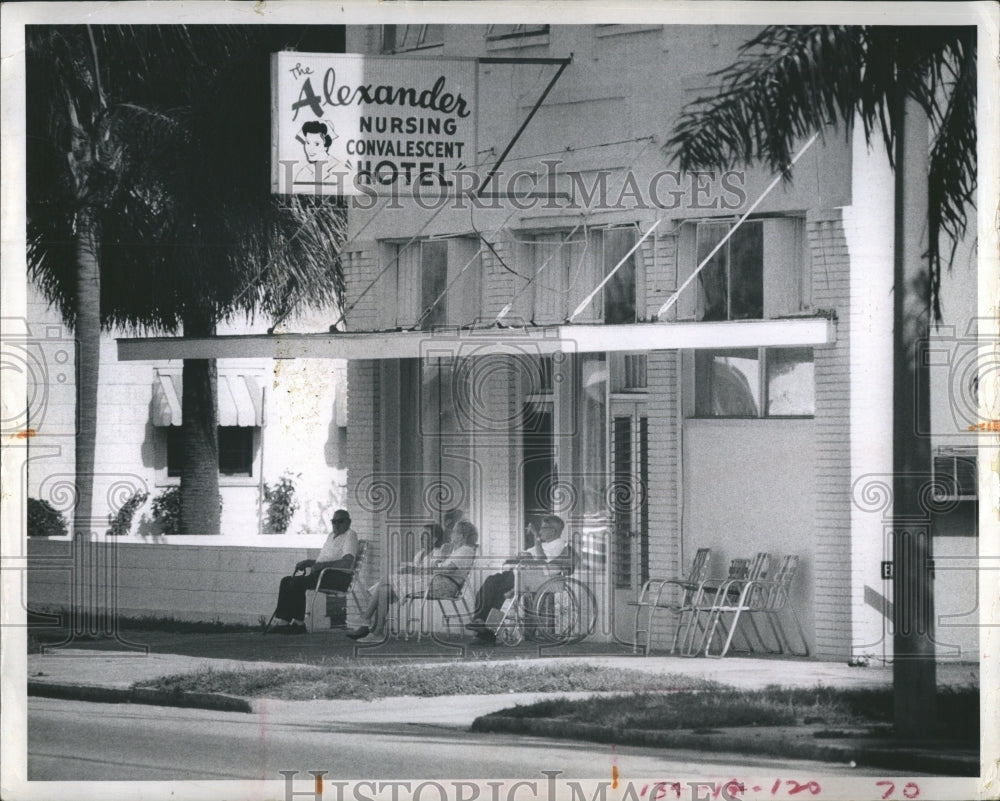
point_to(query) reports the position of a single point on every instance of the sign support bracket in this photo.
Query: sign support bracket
(563, 63)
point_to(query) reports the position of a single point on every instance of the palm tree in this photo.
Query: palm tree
(78, 79)
(184, 229)
(224, 246)
(789, 82)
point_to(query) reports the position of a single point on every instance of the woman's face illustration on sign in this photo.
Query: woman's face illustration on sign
(316, 139)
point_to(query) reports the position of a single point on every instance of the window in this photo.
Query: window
(760, 272)
(955, 474)
(515, 35)
(235, 450)
(628, 372)
(401, 38)
(567, 266)
(731, 285)
(755, 382)
(435, 282)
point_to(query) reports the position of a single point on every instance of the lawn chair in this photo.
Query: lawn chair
(450, 585)
(775, 600)
(651, 597)
(736, 597)
(352, 590)
(702, 604)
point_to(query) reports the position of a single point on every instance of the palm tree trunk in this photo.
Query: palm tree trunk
(87, 336)
(199, 494)
(913, 674)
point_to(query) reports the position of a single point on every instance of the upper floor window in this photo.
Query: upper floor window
(435, 282)
(515, 35)
(755, 382)
(404, 38)
(731, 285)
(759, 272)
(567, 266)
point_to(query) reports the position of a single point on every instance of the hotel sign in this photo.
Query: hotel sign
(345, 124)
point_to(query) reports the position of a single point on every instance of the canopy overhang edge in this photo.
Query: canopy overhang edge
(443, 342)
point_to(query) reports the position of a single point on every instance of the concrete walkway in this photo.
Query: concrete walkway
(119, 669)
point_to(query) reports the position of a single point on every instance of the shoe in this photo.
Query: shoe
(486, 637)
(359, 633)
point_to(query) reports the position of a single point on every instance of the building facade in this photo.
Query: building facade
(756, 434)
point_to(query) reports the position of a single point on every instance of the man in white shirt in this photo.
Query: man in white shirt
(550, 554)
(339, 551)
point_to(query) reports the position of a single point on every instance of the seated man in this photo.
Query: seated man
(338, 551)
(549, 554)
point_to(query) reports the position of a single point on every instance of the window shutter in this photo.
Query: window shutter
(784, 266)
(585, 270)
(385, 290)
(408, 284)
(549, 285)
(685, 307)
(465, 298)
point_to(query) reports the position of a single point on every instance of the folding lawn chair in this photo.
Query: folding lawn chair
(651, 597)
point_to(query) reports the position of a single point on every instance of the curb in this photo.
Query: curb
(780, 746)
(138, 695)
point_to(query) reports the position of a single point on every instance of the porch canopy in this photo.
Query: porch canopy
(443, 342)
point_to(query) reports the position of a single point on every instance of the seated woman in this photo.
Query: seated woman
(443, 565)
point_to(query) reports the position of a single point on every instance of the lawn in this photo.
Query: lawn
(725, 708)
(380, 681)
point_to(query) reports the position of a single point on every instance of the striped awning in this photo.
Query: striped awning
(241, 402)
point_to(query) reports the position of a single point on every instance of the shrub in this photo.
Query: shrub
(121, 523)
(281, 503)
(166, 510)
(44, 520)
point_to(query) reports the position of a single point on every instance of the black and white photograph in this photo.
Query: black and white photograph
(403, 403)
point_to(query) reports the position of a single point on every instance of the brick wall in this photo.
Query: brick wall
(185, 582)
(832, 560)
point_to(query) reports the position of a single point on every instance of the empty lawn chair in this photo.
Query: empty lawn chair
(655, 594)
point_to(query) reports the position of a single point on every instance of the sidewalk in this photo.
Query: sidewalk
(100, 674)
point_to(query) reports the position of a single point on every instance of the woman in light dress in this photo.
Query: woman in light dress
(442, 564)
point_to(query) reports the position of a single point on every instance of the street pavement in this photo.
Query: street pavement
(420, 726)
(121, 742)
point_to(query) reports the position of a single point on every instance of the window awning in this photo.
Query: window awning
(240, 400)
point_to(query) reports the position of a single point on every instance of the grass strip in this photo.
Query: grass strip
(381, 681)
(725, 708)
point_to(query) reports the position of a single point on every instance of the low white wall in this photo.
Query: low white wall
(185, 582)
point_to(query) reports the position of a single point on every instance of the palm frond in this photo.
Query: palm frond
(789, 82)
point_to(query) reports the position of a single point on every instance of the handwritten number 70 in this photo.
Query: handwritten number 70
(910, 789)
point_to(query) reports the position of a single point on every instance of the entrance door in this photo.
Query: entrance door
(629, 469)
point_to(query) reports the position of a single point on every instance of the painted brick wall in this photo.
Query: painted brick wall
(364, 404)
(185, 582)
(832, 560)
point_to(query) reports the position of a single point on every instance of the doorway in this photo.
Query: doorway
(629, 470)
